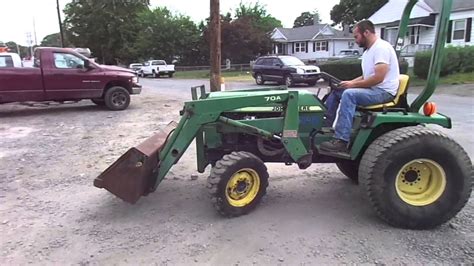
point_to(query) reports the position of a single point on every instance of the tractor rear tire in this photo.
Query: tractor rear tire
(350, 169)
(237, 183)
(416, 177)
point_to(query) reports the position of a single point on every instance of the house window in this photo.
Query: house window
(321, 46)
(414, 35)
(459, 29)
(300, 47)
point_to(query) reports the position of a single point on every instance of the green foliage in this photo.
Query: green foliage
(167, 36)
(244, 37)
(307, 19)
(456, 60)
(108, 28)
(348, 69)
(23, 50)
(348, 12)
(258, 16)
(52, 40)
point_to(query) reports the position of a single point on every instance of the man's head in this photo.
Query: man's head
(364, 33)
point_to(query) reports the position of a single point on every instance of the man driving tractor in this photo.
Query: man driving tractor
(378, 84)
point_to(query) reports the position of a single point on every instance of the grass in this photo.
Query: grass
(453, 79)
(458, 78)
(204, 74)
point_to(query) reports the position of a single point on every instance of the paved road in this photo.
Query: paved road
(459, 107)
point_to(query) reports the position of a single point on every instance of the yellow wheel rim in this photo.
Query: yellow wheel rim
(242, 187)
(420, 182)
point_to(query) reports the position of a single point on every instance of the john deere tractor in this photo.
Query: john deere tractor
(414, 176)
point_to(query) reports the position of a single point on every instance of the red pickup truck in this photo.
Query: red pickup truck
(61, 74)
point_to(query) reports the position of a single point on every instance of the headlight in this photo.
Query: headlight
(300, 71)
(135, 79)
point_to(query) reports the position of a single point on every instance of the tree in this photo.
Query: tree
(52, 40)
(13, 47)
(108, 28)
(307, 19)
(348, 12)
(167, 36)
(244, 36)
(258, 16)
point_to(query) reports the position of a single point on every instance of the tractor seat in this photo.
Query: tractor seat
(402, 88)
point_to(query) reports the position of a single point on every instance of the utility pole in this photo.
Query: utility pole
(215, 45)
(60, 24)
(34, 31)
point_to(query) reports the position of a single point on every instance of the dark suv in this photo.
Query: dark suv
(284, 69)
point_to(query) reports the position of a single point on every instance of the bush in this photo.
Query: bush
(347, 69)
(456, 60)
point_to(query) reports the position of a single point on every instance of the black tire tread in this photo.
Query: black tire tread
(215, 177)
(381, 145)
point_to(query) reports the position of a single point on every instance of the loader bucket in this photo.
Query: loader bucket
(131, 176)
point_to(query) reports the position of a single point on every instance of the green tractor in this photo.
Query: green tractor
(414, 176)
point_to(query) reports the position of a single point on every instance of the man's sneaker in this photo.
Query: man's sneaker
(334, 145)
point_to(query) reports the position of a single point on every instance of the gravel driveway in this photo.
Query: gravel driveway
(51, 214)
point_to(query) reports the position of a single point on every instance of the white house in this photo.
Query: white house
(311, 42)
(423, 23)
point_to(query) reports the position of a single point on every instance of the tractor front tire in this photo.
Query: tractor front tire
(237, 183)
(350, 169)
(416, 177)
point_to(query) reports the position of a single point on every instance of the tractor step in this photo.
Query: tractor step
(342, 155)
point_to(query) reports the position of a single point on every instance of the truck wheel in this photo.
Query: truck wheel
(170, 75)
(259, 79)
(98, 101)
(237, 183)
(142, 74)
(153, 74)
(117, 98)
(289, 81)
(350, 169)
(416, 177)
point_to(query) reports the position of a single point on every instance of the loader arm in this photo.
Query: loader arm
(201, 112)
(141, 169)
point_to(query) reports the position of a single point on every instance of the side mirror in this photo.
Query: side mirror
(87, 64)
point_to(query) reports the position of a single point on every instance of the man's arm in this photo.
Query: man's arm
(381, 70)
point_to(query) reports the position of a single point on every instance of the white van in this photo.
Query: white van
(10, 60)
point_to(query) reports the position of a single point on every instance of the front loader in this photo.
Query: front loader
(414, 175)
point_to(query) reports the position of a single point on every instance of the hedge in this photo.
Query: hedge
(456, 60)
(348, 69)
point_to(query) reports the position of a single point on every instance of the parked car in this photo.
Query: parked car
(10, 60)
(156, 68)
(287, 70)
(348, 53)
(61, 74)
(136, 67)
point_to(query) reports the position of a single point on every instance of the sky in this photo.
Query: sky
(19, 18)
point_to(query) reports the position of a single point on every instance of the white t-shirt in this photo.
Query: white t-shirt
(382, 52)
